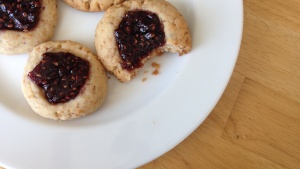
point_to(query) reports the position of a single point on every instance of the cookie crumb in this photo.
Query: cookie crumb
(146, 71)
(156, 66)
(155, 72)
(144, 79)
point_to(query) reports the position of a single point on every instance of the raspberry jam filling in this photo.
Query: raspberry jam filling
(20, 15)
(61, 75)
(138, 34)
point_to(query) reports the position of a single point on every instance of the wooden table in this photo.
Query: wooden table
(256, 123)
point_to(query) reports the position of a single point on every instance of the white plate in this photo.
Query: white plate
(139, 120)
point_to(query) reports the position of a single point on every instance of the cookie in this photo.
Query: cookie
(92, 5)
(26, 24)
(64, 80)
(134, 31)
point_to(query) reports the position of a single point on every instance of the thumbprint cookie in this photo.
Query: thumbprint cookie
(134, 31)
(25, 24)
(64, 80)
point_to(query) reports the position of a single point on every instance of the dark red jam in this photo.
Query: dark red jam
(20, 15)
(138, 34)
(61, 75)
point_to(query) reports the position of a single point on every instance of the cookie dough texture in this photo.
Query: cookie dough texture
(178, 38)
(89, 99)
(92, 5)
(18, 42)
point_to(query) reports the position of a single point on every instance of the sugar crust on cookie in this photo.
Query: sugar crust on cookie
(18, 42)
(178, 38)
(91, 95)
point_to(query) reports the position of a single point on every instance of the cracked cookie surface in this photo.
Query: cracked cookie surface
(92, 5)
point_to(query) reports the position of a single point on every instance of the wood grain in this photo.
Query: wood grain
(256, 123)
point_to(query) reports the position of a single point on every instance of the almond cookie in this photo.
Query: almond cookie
(26, 24)
(64, 80)
(136, 30)
(92, 5)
